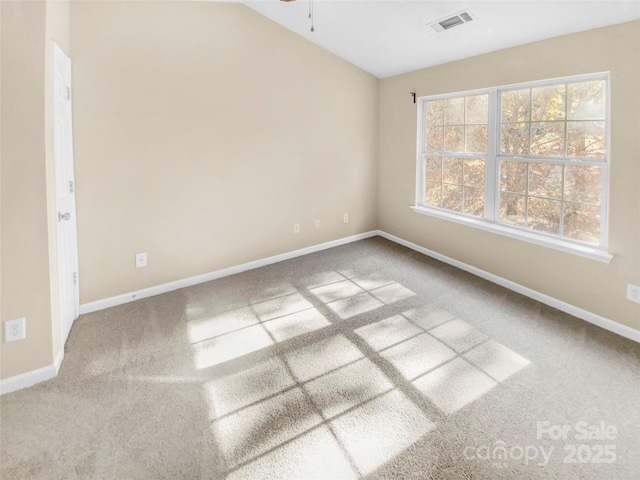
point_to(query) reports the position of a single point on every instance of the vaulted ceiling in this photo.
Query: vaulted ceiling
(387, 38)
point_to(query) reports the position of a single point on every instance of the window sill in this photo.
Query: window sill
(593, 253)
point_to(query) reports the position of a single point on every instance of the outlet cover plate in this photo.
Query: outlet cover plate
(15, 330)
(141, 260)
(633, 293)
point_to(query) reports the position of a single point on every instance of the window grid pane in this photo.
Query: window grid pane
(553, 198)
(457, 125)
(564, 120)
(455, 184)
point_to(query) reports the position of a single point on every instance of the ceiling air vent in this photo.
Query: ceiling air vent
(451, 21)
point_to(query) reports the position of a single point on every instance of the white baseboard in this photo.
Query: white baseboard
(615, 327)
(29, 379)
(207, 277)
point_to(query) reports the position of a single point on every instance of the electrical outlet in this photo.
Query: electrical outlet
(296, 228)
(141, 260)
(317, 224)
(345, 218)
(633, 293)
(15, 330)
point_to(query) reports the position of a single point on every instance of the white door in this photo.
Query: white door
(68, 280)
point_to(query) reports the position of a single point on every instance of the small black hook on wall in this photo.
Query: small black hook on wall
(414, 96)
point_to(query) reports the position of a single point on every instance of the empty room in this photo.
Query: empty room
(320, 239)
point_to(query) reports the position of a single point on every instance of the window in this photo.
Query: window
(529, 161)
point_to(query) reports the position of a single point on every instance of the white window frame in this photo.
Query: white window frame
(492, 173)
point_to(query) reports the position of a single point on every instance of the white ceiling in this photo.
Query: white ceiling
(387, 38)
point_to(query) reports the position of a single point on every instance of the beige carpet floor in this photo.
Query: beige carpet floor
(364, 361)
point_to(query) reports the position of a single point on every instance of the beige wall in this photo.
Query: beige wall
(29, 286)
(25, 267)
(593, 286)
(202, 133)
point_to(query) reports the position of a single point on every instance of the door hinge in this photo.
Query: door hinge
(68, 90)
(70, 186)
(75, 278)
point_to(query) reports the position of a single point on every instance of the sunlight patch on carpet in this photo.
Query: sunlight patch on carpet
(264, 426)
(372, 281)
(380, 429)
(322, 357)
(314, 455)
(235, 391)
(458, 335)
(454, 385)
(220, 324)
(296, 324)
(392, 293)
(336, 291)
(418, 355)
(271, 291)
(347, 387)
(356, 305)
(427, 316)
(388, 332)
(281, 306)
(497, 360)
(322, 278)
(232, 345)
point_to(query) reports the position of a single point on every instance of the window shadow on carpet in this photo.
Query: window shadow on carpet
(335, 375)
